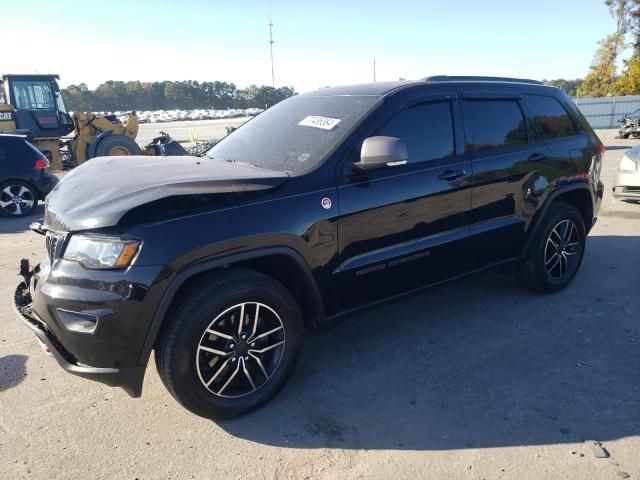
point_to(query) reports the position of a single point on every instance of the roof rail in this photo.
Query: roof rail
(447, 78)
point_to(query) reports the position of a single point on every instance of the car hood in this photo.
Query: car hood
(101, 191)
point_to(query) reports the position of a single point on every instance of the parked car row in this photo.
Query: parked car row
(159, 116)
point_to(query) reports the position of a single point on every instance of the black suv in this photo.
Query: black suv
(324, 204)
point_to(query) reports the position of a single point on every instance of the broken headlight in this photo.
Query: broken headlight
(101, 252)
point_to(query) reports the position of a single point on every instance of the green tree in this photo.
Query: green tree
(629, 82)
(188, 94)
(569, 86)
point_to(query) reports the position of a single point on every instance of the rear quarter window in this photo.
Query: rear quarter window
(549, 119)
(494, 124)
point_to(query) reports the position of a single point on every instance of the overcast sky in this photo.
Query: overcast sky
(317, 43)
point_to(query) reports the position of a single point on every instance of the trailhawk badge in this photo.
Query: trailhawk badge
(326, 203)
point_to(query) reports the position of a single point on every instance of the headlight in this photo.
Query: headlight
(97, 252)
(627, 164)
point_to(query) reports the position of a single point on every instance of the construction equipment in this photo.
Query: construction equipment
(32, 105)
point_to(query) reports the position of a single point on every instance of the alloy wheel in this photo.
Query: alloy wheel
(562, 249)
(240, 350)
(17, 200)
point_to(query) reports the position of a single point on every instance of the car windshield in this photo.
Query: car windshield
(295, 135)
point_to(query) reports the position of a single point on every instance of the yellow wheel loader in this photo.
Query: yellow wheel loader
(32, 105)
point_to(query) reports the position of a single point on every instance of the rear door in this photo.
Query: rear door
(402, 227)
(11, 158)
(505, 163)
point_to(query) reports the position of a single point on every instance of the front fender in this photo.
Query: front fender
(210, 263)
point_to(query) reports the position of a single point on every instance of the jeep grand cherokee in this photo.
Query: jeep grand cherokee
(324, 204)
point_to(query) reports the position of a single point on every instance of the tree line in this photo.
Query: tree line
(169, 95)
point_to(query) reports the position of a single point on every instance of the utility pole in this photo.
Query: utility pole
(374, 71)
(273, 77)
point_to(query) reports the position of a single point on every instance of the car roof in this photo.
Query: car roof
(12, 135)
(30, 75)
(384, 88)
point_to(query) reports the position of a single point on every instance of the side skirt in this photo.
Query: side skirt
(336, 319)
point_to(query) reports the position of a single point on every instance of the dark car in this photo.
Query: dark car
(25, 176)
(324, 204)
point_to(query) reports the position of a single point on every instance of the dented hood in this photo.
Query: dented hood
(99, 192)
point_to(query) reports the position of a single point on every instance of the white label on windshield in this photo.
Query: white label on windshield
(325, 123)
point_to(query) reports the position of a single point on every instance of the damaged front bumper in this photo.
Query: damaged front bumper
(130, 379)
(68, 344)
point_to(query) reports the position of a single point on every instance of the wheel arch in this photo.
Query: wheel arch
(577, 195)
(284, 264)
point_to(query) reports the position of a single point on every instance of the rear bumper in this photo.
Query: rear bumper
(45, 183)
(130, 379)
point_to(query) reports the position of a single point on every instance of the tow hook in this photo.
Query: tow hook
(25, 271)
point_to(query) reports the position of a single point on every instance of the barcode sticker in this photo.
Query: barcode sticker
(325, 123)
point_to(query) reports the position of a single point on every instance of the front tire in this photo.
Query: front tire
(230, 344)
(556, 252)
(117, 145)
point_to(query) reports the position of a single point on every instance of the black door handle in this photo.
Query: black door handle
(536, 157)
(450, 175)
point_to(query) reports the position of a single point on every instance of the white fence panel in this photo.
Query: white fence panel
(605, 112)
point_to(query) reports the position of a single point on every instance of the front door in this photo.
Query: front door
(403, 227)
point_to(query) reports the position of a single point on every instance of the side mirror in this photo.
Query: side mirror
(382, 152)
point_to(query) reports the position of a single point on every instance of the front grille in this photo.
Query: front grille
(55, 243)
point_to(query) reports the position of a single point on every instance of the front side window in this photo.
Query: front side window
(494, 124)
(427, 130)
(33, 95)
(549, 118)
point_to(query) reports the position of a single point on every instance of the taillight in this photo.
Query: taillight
(41, 163)
(600, 148)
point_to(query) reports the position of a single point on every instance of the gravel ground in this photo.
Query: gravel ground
(478, 379)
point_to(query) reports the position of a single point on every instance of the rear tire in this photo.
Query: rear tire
(556, 252)
(17, 199)
(206, 357)
(117, 145)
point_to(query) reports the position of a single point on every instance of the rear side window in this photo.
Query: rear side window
(549, 118)
(427, 129)
(34, 151)
(493, 124)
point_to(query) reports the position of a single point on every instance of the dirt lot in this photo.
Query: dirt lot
(479, 379)
(184, 132)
